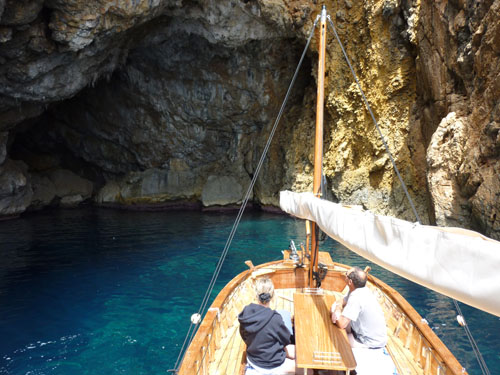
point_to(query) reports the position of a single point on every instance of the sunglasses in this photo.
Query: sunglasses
(347, 275)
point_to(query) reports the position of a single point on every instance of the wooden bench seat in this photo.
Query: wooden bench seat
(230, 357)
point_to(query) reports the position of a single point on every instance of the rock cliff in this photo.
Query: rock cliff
(160, 102)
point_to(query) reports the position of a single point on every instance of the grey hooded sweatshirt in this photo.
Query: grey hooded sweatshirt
(265, 334)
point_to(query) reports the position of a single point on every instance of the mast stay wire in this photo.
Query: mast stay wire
(475, 348)
(201, 310)
(374, 120)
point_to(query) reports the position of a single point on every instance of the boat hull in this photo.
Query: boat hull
(217, 347)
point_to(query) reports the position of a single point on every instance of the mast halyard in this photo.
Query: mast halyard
(318, 145)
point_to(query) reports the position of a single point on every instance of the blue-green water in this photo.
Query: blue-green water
(99, 291)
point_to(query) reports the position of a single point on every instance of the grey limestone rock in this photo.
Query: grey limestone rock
(70, 201)
(44, 191)
(3, 146)
(222, 191)
(15, 188)
(67, 183)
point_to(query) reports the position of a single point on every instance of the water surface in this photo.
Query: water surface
(98, 291)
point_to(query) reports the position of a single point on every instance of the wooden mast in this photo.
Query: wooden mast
(318, 145)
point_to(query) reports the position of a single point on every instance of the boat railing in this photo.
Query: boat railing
(413, 345)
(411, 337)
(217, 327)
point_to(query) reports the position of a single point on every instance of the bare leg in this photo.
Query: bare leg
(288, 367)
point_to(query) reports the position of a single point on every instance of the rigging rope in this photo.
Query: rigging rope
(475, 348)
(374, 121)
(192, 328)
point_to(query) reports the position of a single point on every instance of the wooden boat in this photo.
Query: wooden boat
(217, 347)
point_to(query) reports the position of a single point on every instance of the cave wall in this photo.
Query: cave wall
(376, 37)
(149, 102)
(180, 120)
(459, 89)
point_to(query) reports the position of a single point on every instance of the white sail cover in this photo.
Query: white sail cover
(459, 263)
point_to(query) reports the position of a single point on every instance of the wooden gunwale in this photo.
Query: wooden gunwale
(207, 326)
(208, 321)
(437, 345)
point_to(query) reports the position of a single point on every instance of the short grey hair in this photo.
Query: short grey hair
(358, 277)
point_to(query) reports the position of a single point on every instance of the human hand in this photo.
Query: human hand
(334, 307)
(334, 317)
(335, 312)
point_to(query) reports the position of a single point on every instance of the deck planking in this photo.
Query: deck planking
(411, 344)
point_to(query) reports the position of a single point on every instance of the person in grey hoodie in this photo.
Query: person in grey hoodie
(266, 335)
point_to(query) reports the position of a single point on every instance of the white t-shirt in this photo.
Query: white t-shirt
(367, 318)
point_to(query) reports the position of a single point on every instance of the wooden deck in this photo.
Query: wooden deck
(219, 350)
(230, 356)
(403, 345)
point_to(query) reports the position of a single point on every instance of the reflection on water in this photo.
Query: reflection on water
(100, 291)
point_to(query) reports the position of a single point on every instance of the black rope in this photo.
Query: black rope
(315, 275)
(192, 328)
(475, 348)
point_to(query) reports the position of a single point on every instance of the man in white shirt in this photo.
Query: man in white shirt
(362, 316)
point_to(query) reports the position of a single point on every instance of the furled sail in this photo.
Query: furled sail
(459, 263)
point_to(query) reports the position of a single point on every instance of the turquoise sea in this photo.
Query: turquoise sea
(99, 291)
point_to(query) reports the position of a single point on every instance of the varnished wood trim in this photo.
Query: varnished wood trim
(442, 351)
(294, 278)
(187, 365)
